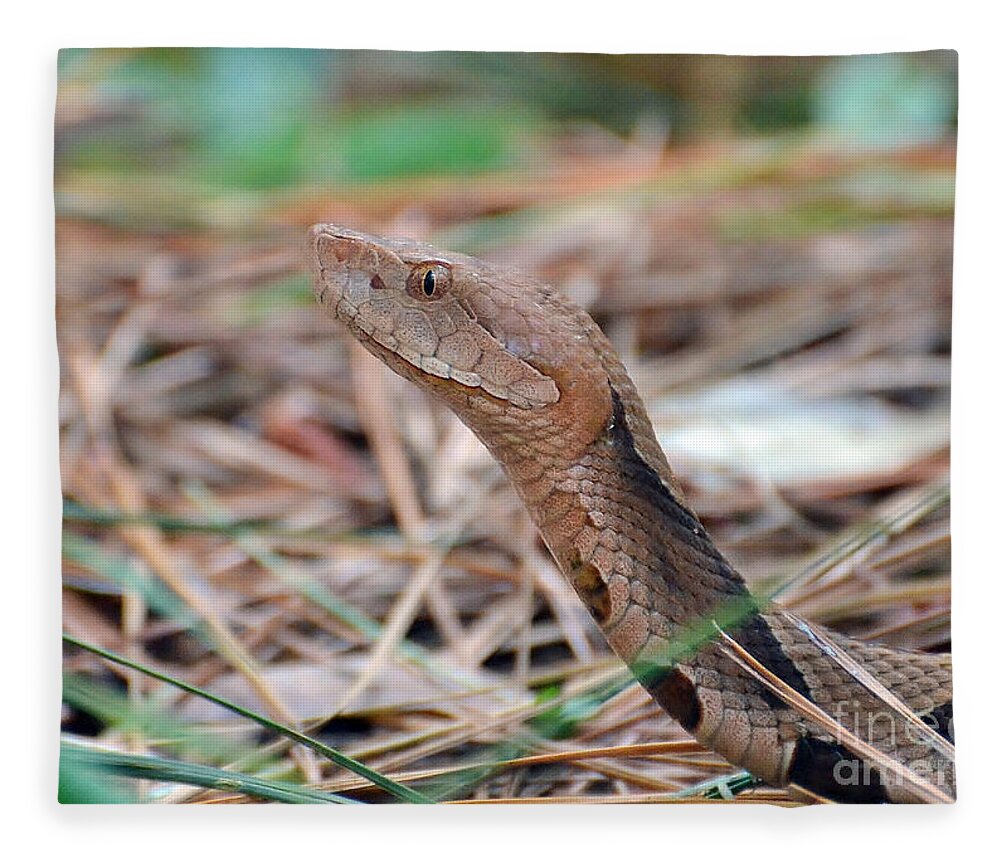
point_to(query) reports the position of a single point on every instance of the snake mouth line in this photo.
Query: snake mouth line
(415, 373)
(432, 371)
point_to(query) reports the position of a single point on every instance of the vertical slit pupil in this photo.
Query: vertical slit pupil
(429, 283)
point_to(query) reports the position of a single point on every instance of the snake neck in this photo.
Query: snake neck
(611, 513)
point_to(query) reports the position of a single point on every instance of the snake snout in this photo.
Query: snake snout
(336, 254)
(336, 249)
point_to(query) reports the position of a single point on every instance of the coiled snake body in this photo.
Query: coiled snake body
(536, 380)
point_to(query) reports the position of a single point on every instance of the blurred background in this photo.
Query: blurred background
(255, 508)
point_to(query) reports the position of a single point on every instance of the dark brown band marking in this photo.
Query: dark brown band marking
(941, 719)
(753, 633)
(757, 637)
(829, 770)
(678, 697)
(652, 488)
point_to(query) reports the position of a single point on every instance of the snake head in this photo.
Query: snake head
(440, 319)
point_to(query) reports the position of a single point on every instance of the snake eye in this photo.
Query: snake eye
(428, 280)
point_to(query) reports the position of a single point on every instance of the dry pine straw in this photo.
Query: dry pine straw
(390, 580)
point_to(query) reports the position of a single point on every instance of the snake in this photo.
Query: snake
(796, 705)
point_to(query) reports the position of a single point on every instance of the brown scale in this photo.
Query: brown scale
(587, 467)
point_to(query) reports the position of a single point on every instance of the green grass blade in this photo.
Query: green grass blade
(403, 792)
(156, 769)
(145, 717)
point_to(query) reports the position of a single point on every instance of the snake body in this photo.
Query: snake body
(536, 380)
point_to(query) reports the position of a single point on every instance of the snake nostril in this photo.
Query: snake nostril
(376, 283)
